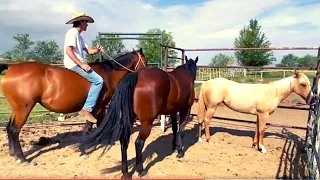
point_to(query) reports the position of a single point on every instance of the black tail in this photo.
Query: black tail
(117, 123)
(3, 67)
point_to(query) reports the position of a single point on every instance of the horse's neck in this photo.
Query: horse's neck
(180, 70)
(283, 87)
(122, 66)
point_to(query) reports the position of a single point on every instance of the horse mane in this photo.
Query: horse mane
(184, 66)
(121, 58)
(281, 85)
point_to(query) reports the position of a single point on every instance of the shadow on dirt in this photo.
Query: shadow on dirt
(160, 147)
(158, 150)
(293, 161)
(240, 131)
(63, 140)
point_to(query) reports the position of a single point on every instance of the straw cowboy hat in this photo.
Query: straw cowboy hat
(80, 17)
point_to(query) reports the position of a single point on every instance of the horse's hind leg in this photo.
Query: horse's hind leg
(87, 127)
(145, 129)
(209, 114)
(174, 127)
(10, 143)
(13, 129)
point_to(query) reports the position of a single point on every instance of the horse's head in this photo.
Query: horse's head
(130, 61)
(191, 66)
(139, 61)
(302, 86)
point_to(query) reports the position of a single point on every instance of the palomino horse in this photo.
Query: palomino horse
(146, 94)
(58, 90)
(255, 99)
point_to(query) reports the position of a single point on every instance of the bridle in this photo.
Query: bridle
(140, 60)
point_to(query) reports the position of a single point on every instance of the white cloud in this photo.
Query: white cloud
(211, 24)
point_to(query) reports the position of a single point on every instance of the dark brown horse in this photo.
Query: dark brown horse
(144, 95)
(58, 90)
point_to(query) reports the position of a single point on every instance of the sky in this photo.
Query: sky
(193, 23)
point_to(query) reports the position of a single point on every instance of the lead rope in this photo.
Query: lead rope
(123, 65)
(117, 62)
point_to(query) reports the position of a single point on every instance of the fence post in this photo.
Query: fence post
(312, 132)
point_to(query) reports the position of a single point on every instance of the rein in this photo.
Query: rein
(140, 60)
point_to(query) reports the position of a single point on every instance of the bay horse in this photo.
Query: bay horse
(256, 99)
(144, 95)
(59, 90)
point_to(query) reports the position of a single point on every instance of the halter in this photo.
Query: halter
(140, 60)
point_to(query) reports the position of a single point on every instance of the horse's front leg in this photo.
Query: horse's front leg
(262, 117)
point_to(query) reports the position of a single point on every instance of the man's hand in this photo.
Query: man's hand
(85, 66)
(99, 48)
(94, 50)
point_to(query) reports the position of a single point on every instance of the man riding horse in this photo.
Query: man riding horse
(74, 47)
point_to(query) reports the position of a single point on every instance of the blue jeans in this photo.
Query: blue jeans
(96, 86)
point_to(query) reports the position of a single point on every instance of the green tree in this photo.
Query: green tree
(249, 37)
(152, 48)
(289, 60)
(22, 50)
(307, 61)
(112, 47)
(7, 55)
(221, 60)
(47, 52)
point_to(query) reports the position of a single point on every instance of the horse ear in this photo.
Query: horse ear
(141, 51)
(297, 74)
(196, 61)
(133, 50)
(186, 58)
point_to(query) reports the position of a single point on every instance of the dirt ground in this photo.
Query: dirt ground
(230, 156)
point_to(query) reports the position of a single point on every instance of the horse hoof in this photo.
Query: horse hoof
(209, 142)
(180, 155)
(254, 145)
(199, 139)
(84, 156)
(126, 176)
(262, 149)
(22, 162)
(143, 174)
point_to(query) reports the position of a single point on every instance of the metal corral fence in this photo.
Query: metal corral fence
(260, 74)
(312, 129)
